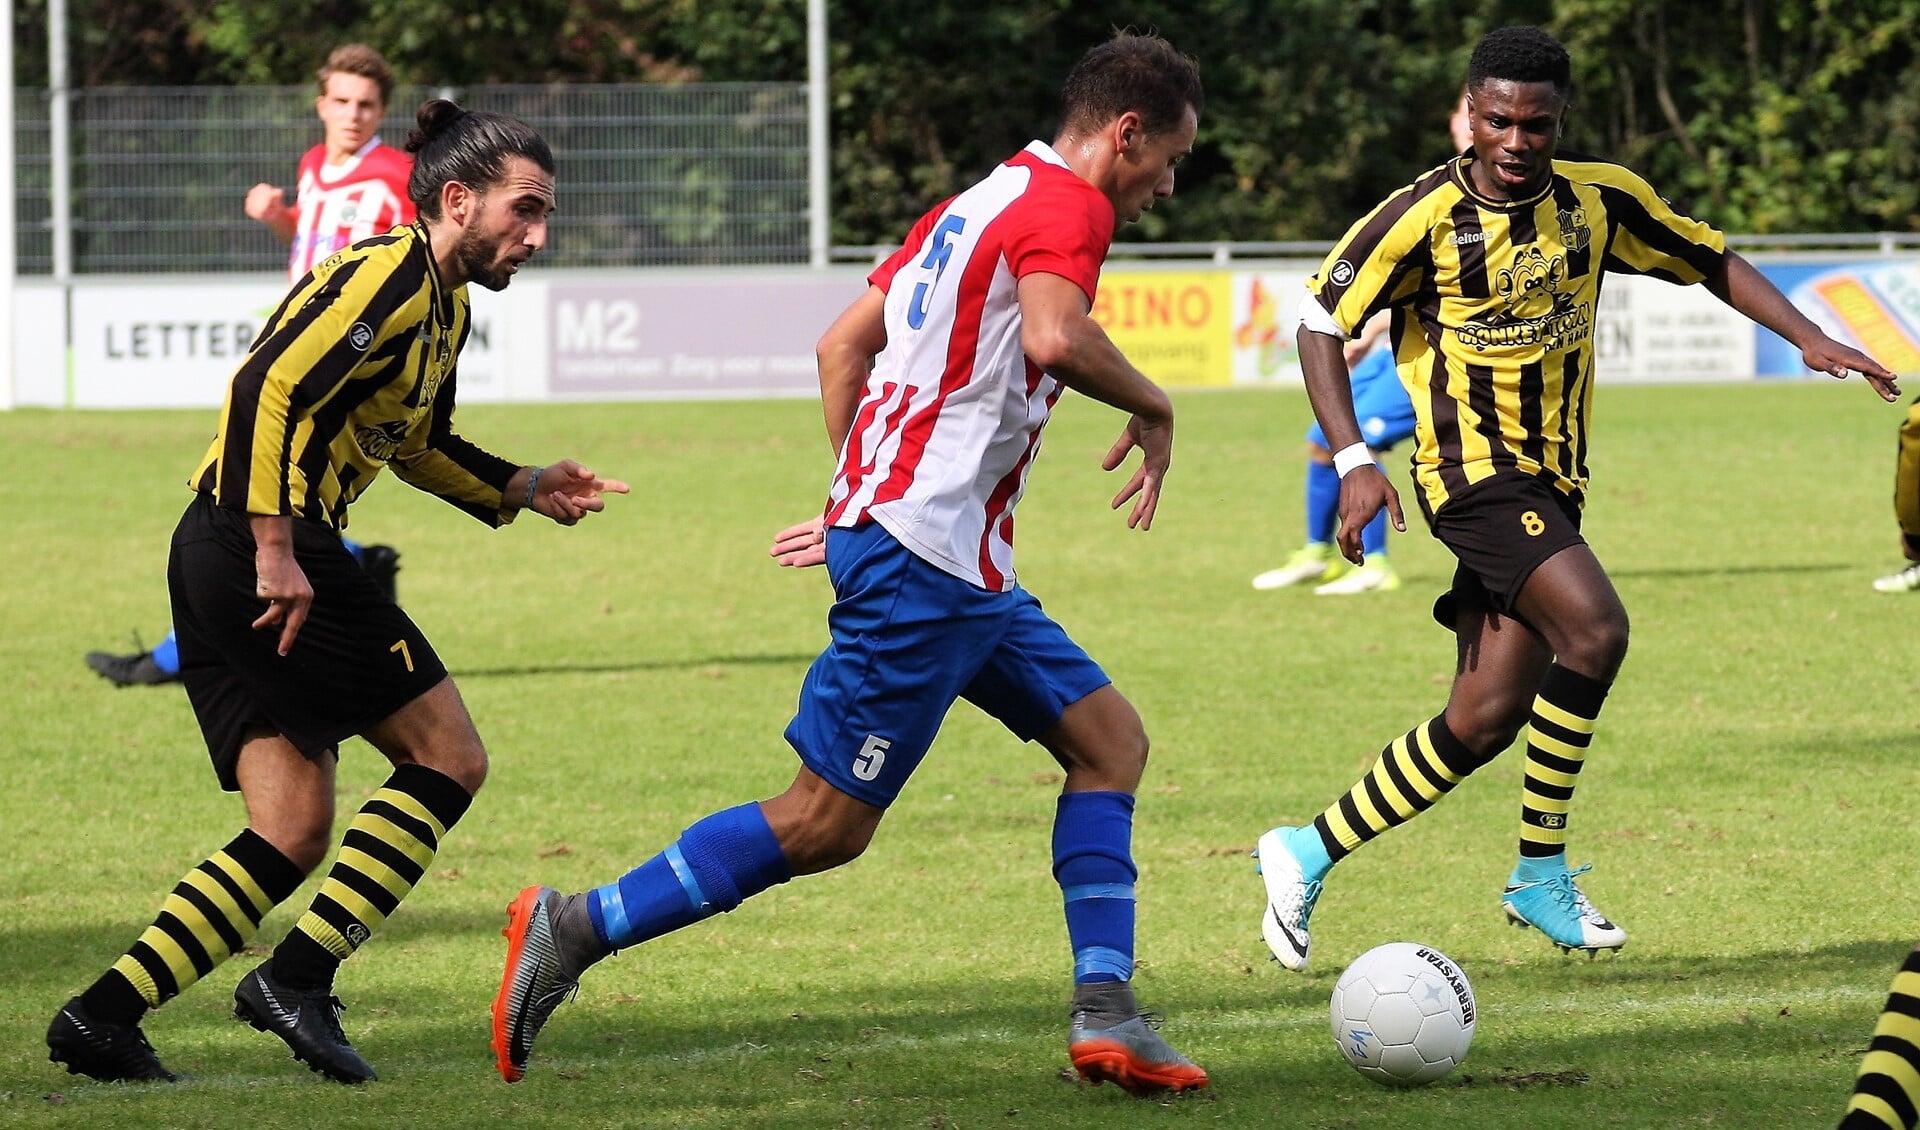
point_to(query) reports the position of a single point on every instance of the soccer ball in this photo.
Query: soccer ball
(1403, 1014)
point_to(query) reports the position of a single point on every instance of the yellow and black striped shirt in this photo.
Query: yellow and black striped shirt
(353, 372)
(1493, 309)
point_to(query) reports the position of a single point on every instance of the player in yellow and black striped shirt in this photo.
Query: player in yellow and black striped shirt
(287, 646)
(1491, 265)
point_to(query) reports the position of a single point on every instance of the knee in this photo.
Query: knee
(1100, 742)
(303, 839)
(817, 843)
(464, 761)
(469, 767)
(1599, 648)
(1489, 725)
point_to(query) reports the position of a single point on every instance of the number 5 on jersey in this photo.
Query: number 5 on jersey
(938, 252)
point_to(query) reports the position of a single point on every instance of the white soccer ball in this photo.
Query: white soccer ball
(1403, 1014)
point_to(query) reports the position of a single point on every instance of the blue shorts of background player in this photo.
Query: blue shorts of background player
(1386, 417)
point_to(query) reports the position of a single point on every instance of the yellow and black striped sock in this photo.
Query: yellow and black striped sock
(1887, 1092)
(1417, 769)
(209, 916)
(387, 849)
(1557, 739)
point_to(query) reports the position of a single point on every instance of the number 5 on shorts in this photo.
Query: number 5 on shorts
(872, 755)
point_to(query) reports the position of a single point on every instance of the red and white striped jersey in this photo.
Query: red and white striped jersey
(949, 421)
(338, 205)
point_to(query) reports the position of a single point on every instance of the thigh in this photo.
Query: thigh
(906, 639)
(433, 730)
(1034, 674)
(1500, 530)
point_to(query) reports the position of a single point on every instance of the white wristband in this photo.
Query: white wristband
(1351, 456)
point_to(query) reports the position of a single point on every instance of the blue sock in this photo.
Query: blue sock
(1532, 869)
(1093, 864)
(166, 654)
(1307, 847)
(1373, 539)
(713, 867)
(1323, 501)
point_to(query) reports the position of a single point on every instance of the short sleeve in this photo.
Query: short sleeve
(1060, 226)
(1650, 238)
(1364, 270)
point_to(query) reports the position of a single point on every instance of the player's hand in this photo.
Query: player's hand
(798, 547)
(284, 586)
(265, 201)
(1363, 493)
(568, 492)
(1828, 356)
(1154, 438)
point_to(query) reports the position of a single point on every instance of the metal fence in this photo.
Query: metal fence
(700, 173)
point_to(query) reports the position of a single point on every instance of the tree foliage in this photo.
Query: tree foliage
(1759, 115)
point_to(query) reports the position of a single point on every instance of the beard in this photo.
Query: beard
(477, 261)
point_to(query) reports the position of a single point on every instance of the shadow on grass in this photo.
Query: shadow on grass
(1731, 570)
(637, 665)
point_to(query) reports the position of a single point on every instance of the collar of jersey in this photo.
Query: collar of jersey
(1464, 182)
(439, 313)
(1046, 153)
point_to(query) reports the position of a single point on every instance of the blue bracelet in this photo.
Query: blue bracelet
(533, 483)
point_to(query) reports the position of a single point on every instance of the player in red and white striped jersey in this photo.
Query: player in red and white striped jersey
(351, 185)
(949, 419)
(936, 384)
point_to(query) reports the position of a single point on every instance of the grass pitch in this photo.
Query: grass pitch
(1747, 801)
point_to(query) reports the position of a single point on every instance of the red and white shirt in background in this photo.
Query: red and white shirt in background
(949, 421)
(338, 205)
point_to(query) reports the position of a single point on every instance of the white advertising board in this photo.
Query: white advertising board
(175, 343)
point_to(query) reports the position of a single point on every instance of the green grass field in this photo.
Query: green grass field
(1747, 802)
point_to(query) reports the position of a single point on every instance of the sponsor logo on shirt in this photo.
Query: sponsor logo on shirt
(360, 335)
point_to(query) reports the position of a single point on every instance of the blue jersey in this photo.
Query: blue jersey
(1380, 403)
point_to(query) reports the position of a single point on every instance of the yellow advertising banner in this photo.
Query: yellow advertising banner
(1172, 324)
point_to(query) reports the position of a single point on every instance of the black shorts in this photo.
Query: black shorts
(1501, 529)
(357, 659)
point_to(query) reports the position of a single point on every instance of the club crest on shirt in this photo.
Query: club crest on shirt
(1575, 234)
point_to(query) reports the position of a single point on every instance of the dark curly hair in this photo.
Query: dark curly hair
(469, 146)
(1521, 54)
(1142, 73)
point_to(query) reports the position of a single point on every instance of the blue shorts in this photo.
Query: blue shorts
(1379, 401)
(909, 639)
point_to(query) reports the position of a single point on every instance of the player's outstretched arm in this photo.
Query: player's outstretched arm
(1743, 287)
(565, 491)
(1058, 334)
(268, 204)
(1364, 489)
